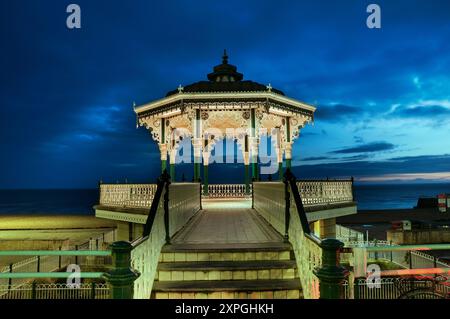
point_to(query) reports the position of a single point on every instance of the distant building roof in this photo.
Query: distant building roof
(225, 78)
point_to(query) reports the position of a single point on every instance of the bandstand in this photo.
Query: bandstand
(225, 106)
(257, 239)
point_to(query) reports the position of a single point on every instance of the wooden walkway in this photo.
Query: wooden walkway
(227, 222)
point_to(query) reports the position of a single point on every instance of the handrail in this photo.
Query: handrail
(162, 181)
(409, 247)
(55, 253)
(53, 275)
(290, 179)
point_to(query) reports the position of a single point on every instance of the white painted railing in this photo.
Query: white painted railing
(348, 235)
(228, 191)
(55, 291)
(127, 195)
(184, 202)
(269, 201)
(325, 192)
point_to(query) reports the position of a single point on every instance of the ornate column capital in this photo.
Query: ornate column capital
(163, 151)
(206, 155)
(246, 158)
(288, 149)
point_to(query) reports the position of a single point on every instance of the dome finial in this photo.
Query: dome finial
(225, 57)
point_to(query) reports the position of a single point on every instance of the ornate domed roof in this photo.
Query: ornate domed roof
(225, 78)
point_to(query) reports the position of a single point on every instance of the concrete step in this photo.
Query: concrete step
(227, 270)
(228, 289)
(225, 252)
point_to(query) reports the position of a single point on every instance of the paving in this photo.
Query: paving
(233, 224)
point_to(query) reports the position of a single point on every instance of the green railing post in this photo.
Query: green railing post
(93, 290)
(121, 277)
(33, 290)
(59, 258)
(10, 279)
(331, 274)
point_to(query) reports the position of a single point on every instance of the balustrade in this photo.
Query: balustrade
(227, 191)
(269, 201)
(183, 201)
(325, 192)
(127, 195)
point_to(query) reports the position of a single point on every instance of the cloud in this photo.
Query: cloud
(425, 167)
(408, 177)
(422, 109)
(335, 112)
(367, 148)
(316, 158)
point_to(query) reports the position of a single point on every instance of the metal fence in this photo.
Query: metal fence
(395, 288)
(41, 264)
(55, 291)
(227, 191)
(410, 259)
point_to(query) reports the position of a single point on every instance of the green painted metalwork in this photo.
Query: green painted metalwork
(121, 277)
(255, 170)
(280, 171)
(163, 165)
(172, 172)
(55, 253)
(410, 247)
(288, 163)
(331, 274)
(205, 180)
(247, 179)
(56, 275)
(197, 171)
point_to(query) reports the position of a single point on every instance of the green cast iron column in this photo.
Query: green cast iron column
(280, 171)
(255, 173)
(197, 157)
(205, 180)
(121, 276)
(246, 166)
(331, 274)
(163, 165)
(196, 172)
(288, 163)
(247, 179)
(172, 172)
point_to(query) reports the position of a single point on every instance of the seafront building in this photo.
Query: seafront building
(253, 239)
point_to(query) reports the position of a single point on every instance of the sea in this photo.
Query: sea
(81, 201)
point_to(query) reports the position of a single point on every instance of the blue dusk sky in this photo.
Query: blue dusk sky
(382, 95)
